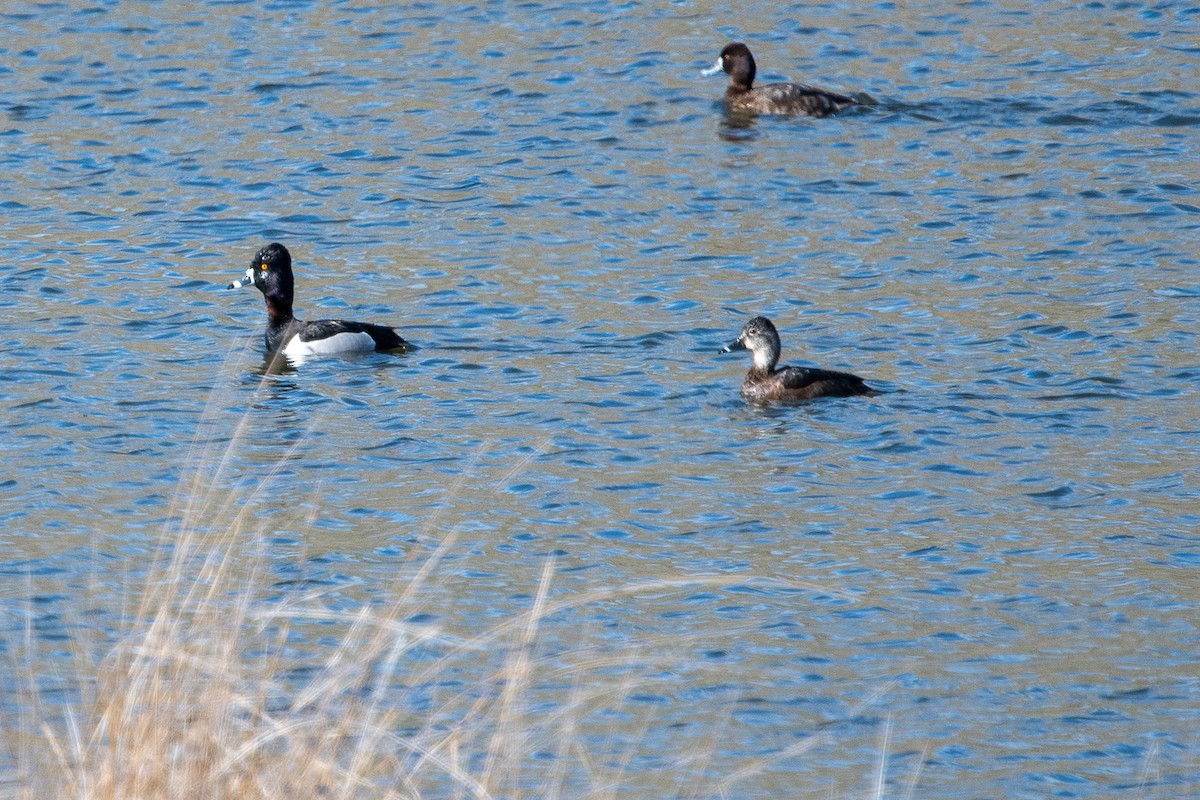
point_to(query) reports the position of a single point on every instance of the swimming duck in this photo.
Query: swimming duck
(773, 98)
(271, 273)
(765, 381)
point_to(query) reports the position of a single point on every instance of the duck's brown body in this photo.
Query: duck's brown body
(766, 382)
(773, 98)
(800, 383)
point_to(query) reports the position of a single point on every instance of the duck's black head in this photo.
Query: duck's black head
(271, 273)
(736, 62)
(760, 338)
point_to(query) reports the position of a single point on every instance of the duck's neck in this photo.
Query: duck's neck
(279, 310)
(764, 361)
(742, 79)
(757, 374)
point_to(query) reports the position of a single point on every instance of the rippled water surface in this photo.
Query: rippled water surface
(987, 574)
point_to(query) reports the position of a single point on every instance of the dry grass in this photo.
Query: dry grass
(204, 694)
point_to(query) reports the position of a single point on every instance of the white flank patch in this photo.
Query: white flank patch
(338, 343)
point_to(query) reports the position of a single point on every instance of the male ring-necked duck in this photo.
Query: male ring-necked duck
(765, 381)
(773, 98)
(271, 273)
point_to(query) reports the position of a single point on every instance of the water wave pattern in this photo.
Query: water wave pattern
(550, 202)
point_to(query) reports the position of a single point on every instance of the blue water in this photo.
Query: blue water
(986, 574)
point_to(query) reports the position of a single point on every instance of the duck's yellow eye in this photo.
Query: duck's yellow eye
(263, 267)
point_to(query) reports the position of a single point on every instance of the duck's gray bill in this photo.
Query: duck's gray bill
(245, 280)
(713, 70)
